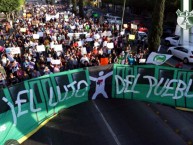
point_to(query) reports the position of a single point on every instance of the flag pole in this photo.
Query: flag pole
(123, 14)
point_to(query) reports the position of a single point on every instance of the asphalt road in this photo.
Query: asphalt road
(116, 122)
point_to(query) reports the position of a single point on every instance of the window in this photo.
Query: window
(178, 48)
(185, 50)
(176, 38)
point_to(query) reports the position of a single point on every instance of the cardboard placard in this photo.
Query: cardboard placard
(142, 60)
(58, 47)
(125, 25)
(55, 61)
(122, 32)
(131, 37)
(13, 50)
(29, 15)
(96, 36)
(36, 36)
(35, 22)
(65, 16)
(49, 59)
(23, 30)
(109, 33)
(110, 45)
(40, 48)
(89, 39)
(73, 27)
(83, 50)
(104, 61)
(41, 34)
(133, 26)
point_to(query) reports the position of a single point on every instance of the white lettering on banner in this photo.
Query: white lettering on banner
(66, 88)
(3, 128)
(151, 79)
(73, 89)
(12, 110)
(188, 88)
(19, 101)
(179, 89)
(32, 103)
(171, 88)
(52, 103)
(78, 88)
(51, 98)
(126, 83)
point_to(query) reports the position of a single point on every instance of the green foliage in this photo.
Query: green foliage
(74, 4)
(21, 2)
(157, 23)
(8, 6)
(145, 4)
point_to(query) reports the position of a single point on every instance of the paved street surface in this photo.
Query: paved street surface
(117, 122)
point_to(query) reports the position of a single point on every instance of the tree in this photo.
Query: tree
(157, 24)
(81, 11)
(9, 6)
(74, 6)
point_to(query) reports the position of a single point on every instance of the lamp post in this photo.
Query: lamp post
(123, 14)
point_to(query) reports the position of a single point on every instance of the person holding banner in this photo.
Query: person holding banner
(12, 80)
(2, 71)
(2, 80)
(47, 71)
(35, 74)
(131, 59)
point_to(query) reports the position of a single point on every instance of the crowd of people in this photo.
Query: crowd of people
(47, 39)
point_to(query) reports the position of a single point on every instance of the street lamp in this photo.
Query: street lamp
(123, 14)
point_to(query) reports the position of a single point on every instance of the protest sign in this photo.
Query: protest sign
(41, 34)
(110, 45)
(13, 50)
(36, 36)
(131, 37)
(89, 39)
(104, 61)
(125, 25)
(40, 48)
(49, 59)
(55, 61)
(22, 29)
(58, 47)
(133, 26)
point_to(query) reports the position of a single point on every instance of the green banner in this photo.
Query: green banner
(24, 106)
(159, 84)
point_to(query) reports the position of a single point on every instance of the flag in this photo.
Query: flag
(157, 58)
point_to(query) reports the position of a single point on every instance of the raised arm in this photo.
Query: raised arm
(108, 74)
(92, 78)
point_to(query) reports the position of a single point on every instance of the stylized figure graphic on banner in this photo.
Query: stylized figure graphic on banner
(100, 84)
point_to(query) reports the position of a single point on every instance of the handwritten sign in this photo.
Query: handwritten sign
(40, 48)
(36, 36)
(58, 47)
(110, 45)
(55, 61)
(13, 50)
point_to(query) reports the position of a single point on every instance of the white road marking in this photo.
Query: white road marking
(108, 126)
